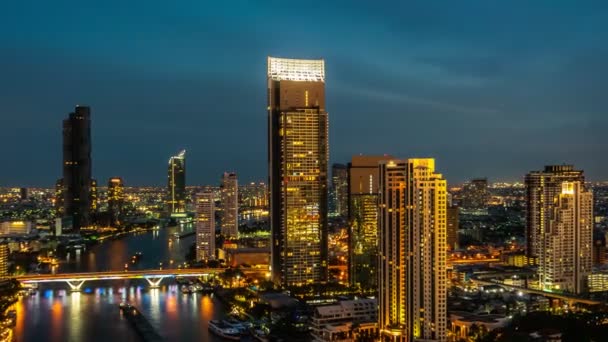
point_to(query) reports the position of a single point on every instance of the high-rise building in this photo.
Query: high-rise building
(339, 190)
(4, 251)
(77, 166)
(229, 200)
(565, 249)
(452, 226)
(363, 220)
(542, 190)
(412, 258)
(298, 154)
(475, 195)
(93, 196)
(23, 194)
(176, 184)
(116, 199)
(205, 226)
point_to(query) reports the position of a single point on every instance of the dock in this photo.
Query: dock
(141, 324)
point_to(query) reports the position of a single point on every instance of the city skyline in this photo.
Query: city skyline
(409, 76)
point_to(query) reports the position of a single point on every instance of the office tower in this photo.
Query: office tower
(339, 190)
(93, 201)
(230, 205)
(116, 200)
(77, 168)
(565, 258)
(542, 190)
(363, 220)
(452, 226)
(3, 260)
(205, 226)
(298, 155)
(176, 184)
(412, 258)
(475, 195)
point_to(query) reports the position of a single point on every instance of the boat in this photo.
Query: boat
(186, 289)
(260, 335)
(224, 330)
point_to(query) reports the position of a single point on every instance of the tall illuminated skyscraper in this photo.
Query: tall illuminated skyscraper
(77, 166)
(116, 199)
(542, 189)
(176, 184)
(560, 227)
(230, 205)
(412, 258)
(298, 155)
(363, 220)
(205, 226)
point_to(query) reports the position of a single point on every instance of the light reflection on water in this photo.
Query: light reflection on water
(54, 314)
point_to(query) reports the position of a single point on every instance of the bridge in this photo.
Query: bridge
(153, 277)
(567, 298)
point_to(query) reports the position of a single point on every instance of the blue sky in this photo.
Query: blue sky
(489, 88)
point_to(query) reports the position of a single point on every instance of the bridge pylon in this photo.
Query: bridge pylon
(75, 285)
(154, 281)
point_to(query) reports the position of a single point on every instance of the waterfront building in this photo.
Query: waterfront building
(78, 200)
(230, 205)
(345, 321)
(205, 226)
(116, 199)
(176, 184)
(298, 154)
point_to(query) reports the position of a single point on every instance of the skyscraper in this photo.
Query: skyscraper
(542, 190)
(205, 226)
(298, 155)
(230, 205)
(560, 227)
(176, 184)
(116, 199)
(475, 194)
(363, 220)
(339, 189)
(412, 258)
(77, 166)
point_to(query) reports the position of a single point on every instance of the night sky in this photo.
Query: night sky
(489, 88)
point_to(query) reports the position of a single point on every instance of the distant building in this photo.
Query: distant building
(176, 184)
(339, 190)
(542, 188)
(598, 282)
(363, 220)
(347, 320)
(230, 205)
(116, 200)
(452, 227)
(205, 226)
(475, 195)
(16, 227)
(23, 194)
(298, 157)
(59, 194)
(4, 253)
(565, 257)
(461, 322)
(77, 165)
(412, 270)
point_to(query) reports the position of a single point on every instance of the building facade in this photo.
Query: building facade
(339, 190)
(298, 154)
(345, 321)
(116, 200)
(77, 167)
(4, 254)
(176, 184)
(363, 220)
(412, 258)
(453, 223)
(230, 205)
(565, 254)
(205, 226)
(475, 195)
(542, 189)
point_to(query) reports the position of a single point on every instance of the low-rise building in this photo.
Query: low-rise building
(16, 227)
(346, 321)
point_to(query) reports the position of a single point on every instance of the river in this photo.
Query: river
(55, 314)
